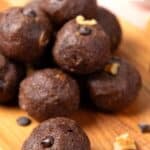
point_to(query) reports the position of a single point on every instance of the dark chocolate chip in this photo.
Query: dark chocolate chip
(70, 130)
(23, 121)
(145, 128)
(30, 13)
(47, 142)
(85, 30)
(1, 84)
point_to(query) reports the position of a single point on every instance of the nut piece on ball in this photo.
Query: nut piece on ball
(10, 76)
(82, 47)
(24, 34)
(49, 93)
(115, 87)
(57, 134)
(111, 26)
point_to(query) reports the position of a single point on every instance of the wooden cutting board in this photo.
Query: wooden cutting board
(101, 128)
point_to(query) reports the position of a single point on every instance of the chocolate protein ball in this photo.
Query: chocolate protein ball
(49, 93)
(10, 76)
(33, 7)
(111, 26)
(45, 59)
(116, 86)
(57, 134)
(60, 11)
(23, 34)
(81, 47)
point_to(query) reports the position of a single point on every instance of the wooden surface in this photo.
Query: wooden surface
(101, 128)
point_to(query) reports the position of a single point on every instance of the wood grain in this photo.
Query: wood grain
(101, 128)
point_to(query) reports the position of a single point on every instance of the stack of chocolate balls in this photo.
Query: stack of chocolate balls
(62, 41)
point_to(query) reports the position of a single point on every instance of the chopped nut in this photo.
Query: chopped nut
(43, 40)
(60, 77)
(79, 19)
(124, 142)
(112, 68)
(82, 21)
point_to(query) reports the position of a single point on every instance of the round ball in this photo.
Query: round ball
(81, 49)
(49, 93)
(112, 92)
(58, 133)
(61, 11)
(10, 77)
(24, 34)
(33, 7)
(45, 60)
(111, 26)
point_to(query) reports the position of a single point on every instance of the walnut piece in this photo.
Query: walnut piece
(82, 21)
(60, 77)
(112, 68)
(124, 142)
(43, 40)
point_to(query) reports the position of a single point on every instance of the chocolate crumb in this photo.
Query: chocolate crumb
(47, 142)
(23, 121)
(145, 128)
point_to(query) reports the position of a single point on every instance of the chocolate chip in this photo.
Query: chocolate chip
(70, 130)
(85, 30)
(145, 128)
(30, 13)
(1, 84)
(47, 142)
(23, 121)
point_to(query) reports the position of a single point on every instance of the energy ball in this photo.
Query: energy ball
(81, 47)
(23, 34)
(57, 134)
(49, 93)
(45, 60)
(10, 77)
(115, 87)
(61, 11)
(111, 26)
(33, 7)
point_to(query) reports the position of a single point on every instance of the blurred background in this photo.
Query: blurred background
(135, 11)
